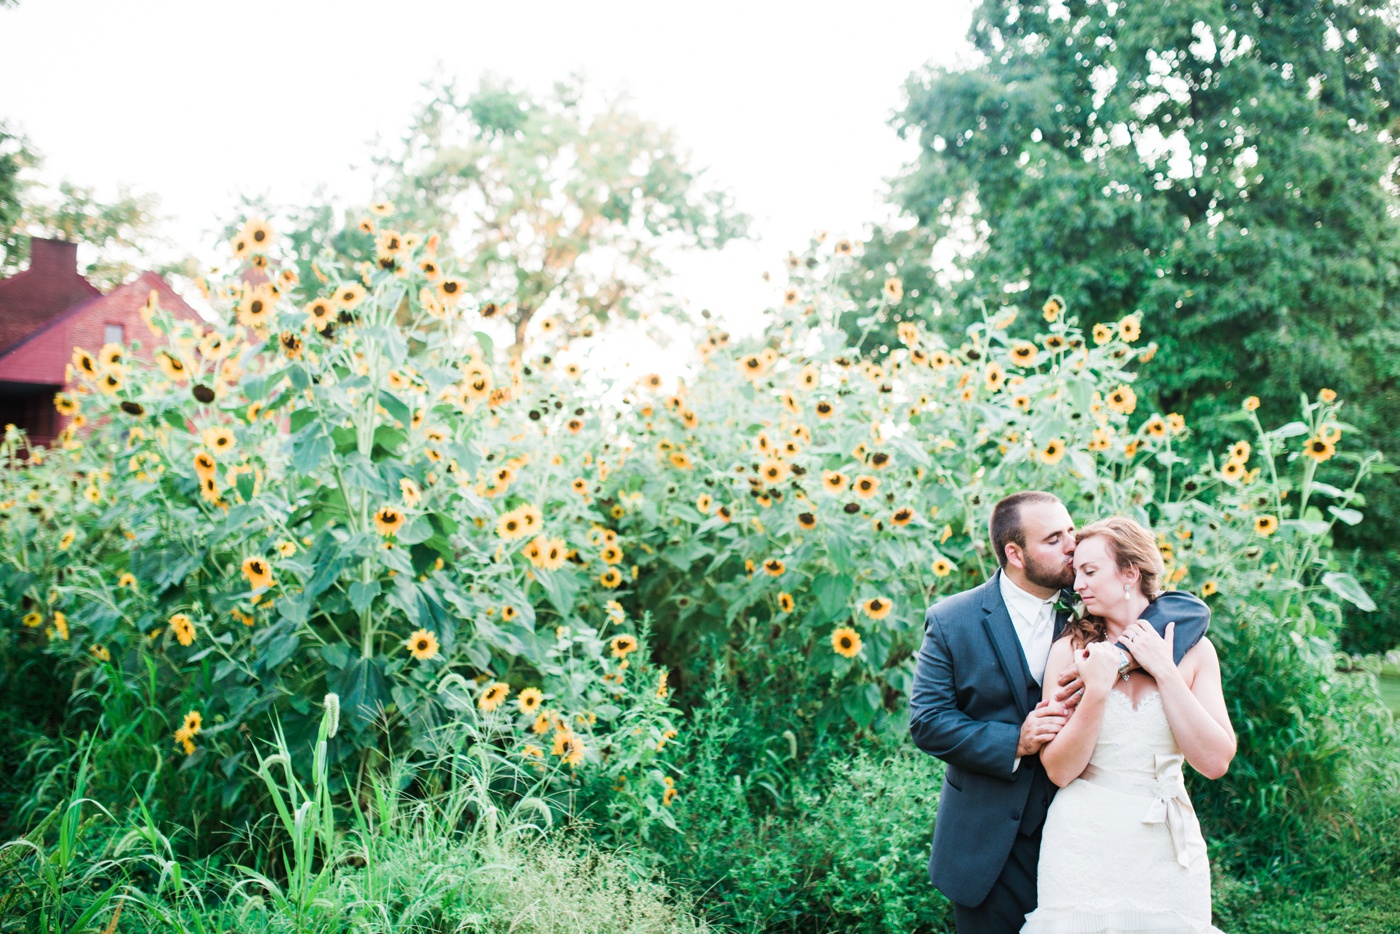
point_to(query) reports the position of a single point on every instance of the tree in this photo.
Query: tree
(1226, 169)
(122, 232)
(561, 205)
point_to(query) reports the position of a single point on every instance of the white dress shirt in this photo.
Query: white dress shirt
(1034, 621)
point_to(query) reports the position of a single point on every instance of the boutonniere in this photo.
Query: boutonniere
(1070, 603)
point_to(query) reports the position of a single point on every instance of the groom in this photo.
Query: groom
(976, 705)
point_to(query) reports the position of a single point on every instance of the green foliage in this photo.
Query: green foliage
(832, 839)
(464, 858)
(1225, 170)
(344, 490)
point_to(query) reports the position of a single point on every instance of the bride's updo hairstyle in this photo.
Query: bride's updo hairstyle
(1131, 546)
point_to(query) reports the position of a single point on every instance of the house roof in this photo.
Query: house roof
(32, 299)
(123, 298)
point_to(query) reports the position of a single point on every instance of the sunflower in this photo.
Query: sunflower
(1052, 308)
(1233, 471)
(388, 244)
(611, 578)
(258, 234)
(32, 619)
(529, 700)
(66, 540)
(1053, 451)
(774, 567)
(877, 607)
(942, 567)
(833, 481)
(611, 554)
(902, 516)
(183, 628)
(422, 645)
(1176, 423)
(569, 747)
(286, 548)
(723, 513)
(773, 471)
(258, 572)
(1023, 353)
(785, 602)
(320, 312)
(209, 489)
(85, 363)
(1101, 441)
(866, 486)
(1327, 395)
(109, 383)
(60, 625)
(908, 333)
(65, 404)
(1250, 404)
(1266, 525)
(752, 366)
(494, 696)
(993, 376)
(218, 439)
(1319, 449)
(205, 465)
(548, 553)
(1209, 588)
(670, 794)
(790, 297)
(101, 653)
(1130, 328)
(623, 645)
(173, 368)
(491, 309)
(846, 642)
(290, 344)
(893, 291)
(1123, 400)
(681, 460)
(807, 520)
(111, 356)
(194, 723)
(450, 290)
(842, 247)
(825, 409)
(126, 580)
(703, 503)
(349, 296)
(1102, 334)
(1155, 427)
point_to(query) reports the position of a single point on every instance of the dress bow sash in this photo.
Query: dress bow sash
(1170, 804)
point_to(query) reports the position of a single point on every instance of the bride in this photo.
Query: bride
(1122, 850)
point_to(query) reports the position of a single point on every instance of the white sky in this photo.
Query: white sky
(785, 103)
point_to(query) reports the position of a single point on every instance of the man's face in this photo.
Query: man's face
(1048, 558)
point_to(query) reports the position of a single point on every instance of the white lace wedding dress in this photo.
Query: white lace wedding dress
(1122, 850)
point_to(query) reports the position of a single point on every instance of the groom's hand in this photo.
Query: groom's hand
(1041, 726)
(1071, 688)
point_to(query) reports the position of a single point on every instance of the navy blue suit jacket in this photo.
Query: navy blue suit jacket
(972, 690)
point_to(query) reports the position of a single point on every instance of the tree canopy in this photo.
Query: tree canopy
(1226, 169)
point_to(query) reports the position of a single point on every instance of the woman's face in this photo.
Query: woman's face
(1097, 579)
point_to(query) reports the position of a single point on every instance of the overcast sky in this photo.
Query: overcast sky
(786, 103)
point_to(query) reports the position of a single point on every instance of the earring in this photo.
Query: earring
(1127, 592)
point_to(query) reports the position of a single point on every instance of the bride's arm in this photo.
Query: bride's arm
(1065, 756)
(1193, 700)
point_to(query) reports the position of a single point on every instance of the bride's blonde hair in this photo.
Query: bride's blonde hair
(1130, 546)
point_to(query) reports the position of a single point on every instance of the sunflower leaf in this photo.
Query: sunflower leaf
(362, 594)
(1347, 587)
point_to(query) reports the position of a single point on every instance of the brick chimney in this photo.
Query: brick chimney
(50, 286)
(53, 258)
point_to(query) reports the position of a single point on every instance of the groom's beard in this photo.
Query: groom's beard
(1057, 576)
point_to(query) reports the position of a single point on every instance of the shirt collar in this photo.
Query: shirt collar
(1027, 605)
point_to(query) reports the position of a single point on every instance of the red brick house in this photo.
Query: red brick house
(47, 310)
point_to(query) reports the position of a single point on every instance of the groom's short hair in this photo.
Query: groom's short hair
(1005, 524)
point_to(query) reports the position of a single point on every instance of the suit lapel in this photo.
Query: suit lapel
(997, 621)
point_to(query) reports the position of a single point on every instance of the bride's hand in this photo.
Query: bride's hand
(1098, 666)
(1153, 652)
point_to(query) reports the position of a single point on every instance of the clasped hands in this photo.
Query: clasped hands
(1095, 665)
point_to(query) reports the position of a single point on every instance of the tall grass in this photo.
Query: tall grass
(481, 853)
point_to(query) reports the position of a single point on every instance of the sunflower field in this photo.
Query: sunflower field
(345, 490)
